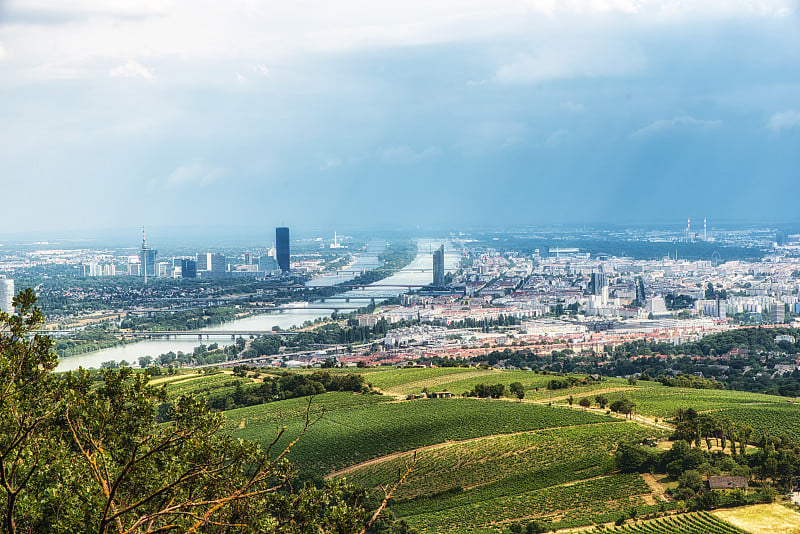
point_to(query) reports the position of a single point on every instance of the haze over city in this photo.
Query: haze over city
(119, 114)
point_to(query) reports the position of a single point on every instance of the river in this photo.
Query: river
(409, 275)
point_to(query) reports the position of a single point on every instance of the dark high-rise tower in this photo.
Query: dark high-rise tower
(282, 247)
(438, 267)
(598, 283)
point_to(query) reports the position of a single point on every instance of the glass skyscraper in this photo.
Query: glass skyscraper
(282, 247)
(438, 267)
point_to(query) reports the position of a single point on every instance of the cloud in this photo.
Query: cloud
(240, 78)
(194, 175)
(132, 69)
(330, 163)
(784, 120)
(3, 52)
(271, 33)
(673, 124)
(579, 60)
(556, 138)
(406, 154)
(571, 106)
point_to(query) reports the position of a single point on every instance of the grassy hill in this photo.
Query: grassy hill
(484, 464)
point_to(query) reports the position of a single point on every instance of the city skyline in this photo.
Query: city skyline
(446, 115)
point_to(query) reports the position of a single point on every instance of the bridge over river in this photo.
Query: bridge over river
(199, 334)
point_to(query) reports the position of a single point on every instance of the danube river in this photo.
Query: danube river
(410, 275)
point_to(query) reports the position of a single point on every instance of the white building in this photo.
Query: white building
(6, 294)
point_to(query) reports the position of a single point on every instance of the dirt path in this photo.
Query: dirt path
(602, 411)
(658, 489)
(590, 394)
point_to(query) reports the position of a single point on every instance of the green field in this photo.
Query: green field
(345, 436)
(774, 419)
(483, 464)
(662, 401)
(499, 476)
(393, 378)
(529, 460)
(566, 505)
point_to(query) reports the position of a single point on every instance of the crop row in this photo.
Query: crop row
(506, 458)
(663, 401)
(774, 420)
(352, 435)
(392, 378)
(570, 502)
(293, 411)
(457, 383)
(695, 523)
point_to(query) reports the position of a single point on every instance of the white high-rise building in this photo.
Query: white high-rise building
(6, 294)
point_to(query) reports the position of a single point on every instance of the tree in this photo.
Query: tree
(624, 406)
(517, 389)
(26, 405)
(82, 455)
(631, 458)
(585, 402)
(691, 480)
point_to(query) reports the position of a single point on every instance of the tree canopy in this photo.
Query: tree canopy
(85, 452)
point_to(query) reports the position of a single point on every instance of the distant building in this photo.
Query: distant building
(727, 483)
(438, 267)
(777, 313)
(267, 263)
(598, 286)
(212, 263)
(164, 269)
(712, 307)
(6, 294)
(657, 307)
(188, 269)
(282, 247)
(147, 260)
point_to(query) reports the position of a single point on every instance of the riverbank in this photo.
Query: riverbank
(413, 272)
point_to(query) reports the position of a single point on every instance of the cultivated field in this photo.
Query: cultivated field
(483, 464)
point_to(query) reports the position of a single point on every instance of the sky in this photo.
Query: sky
(360, 114)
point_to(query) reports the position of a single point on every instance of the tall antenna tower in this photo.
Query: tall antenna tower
(705, 230)
(688, 228)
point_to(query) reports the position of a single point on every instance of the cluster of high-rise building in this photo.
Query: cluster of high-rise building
(207, 264)
(146, 264)
(625, 288)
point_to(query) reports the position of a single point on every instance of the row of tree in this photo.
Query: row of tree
(285, 386)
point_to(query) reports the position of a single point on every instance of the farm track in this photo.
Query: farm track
(658, 489)
(592, 393)
(637, 418)
(395, 455)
